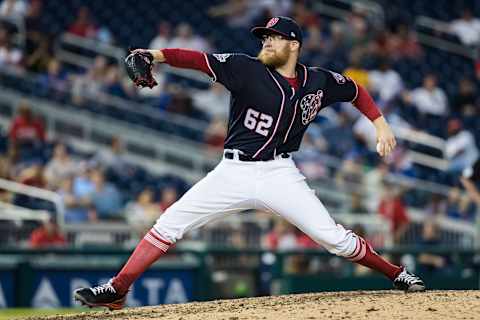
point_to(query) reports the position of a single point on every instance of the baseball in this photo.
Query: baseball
(378, 147)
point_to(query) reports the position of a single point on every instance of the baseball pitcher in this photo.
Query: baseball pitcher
(274, 98)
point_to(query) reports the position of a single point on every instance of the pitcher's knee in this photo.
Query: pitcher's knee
(168, 228)
(339, 241)
(165, 233)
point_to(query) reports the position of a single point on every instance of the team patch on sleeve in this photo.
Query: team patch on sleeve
(222, 57)
(338, 77)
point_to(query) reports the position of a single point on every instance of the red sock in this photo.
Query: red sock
(366, 256)
(150, 248)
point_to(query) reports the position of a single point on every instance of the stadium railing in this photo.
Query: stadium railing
(17, 223)
(68, 45)
(341, 9)
(429, 32)
(37, 193)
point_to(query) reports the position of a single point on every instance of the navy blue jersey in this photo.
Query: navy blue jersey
(267, 115)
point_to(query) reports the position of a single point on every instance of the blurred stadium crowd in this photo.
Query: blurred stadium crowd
(417, 87)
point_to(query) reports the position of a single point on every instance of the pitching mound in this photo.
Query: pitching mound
(335, 305)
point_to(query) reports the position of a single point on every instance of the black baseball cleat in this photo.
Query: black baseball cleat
(408, 282)
(104, 295)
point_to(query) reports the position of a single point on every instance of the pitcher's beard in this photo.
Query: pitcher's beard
(274, 60)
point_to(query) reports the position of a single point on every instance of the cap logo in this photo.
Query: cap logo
(292, 34)
(272, 22)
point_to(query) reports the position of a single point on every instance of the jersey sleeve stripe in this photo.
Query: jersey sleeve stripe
(210, 68)
(356, 92)
(279, 116)
(293, 120)
(305, 76)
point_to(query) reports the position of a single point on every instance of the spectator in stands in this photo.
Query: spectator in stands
(365, 132)
(33, 19)
(460, 149)
(282, 237)
(142, 212)
(60, 166)
(78, 209)
(429, 262)
(236, 13)
(428, 99)
(400, 161)
(357, 26)
(314, 43)
(106, 199)
(467, 28)
(89, 85)
(437, 205)
(470, 180)
(477, 68)
(113, 160)
(244, 13)
(393, 209)
(350, 175)
(380, 46)
(355, 70)
(5, 167)
(38, 45)
(182, 103)
(373, 182)
(305, 17)
(314, 37)
(47, 235)
(304, 241)
(114, 85)
(10, 57)
(463, 103)
(83, 26)
(168, 197)
(356, 205)
(459, 206)
(338, 43)
(31, 174)
(339, 137)
(185, 38)
(308, 159)
(163, 37)
(38, 53)
(215, 135)
(13, 9)
(403, 43)
(385, 82)
(26, 131)
(54, 80)
(215, 101)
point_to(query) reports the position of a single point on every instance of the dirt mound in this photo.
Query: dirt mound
(335, 305)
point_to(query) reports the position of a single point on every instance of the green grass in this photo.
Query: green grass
(19, 313)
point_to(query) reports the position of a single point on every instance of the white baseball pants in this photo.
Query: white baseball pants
(276, 186)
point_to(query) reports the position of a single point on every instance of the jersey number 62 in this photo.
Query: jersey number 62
(260, 122)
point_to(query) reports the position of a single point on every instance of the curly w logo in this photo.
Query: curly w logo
(310, 105)
(272, 22)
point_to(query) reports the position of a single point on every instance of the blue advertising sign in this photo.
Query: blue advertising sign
(53, 288)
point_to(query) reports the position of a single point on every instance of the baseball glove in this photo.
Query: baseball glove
(139, 66)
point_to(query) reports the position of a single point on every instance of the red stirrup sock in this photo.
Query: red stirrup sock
(150, 248)
(366, 256)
